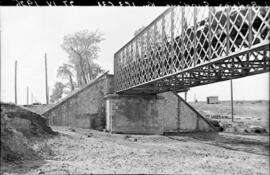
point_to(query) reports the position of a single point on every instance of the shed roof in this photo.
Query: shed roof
(212, 97)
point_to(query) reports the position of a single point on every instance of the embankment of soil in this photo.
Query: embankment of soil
(18, 127)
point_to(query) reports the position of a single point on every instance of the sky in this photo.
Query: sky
(27, 33)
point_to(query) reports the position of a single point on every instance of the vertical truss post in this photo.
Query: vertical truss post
(182, 37)
(120, 66)
(172, 38)
(209, 38)
(131, 52)
(162, 45)
(115, 73)
(209, 33)
(147, 44)
(141, 59)
(249, 26)
(125, 65)
(195, 44)
(249, 32)
(131, 64)
(119, 61)
(228, 37)
(155, 51)
(227, 30)
(123, 59)
(136, 61)
(127, 55)
(195, 37)
(148, 69)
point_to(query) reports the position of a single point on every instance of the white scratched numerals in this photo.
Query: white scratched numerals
(49, 3)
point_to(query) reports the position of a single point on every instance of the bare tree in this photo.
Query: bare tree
(83, 48)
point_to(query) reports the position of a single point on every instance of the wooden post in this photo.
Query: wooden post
(15, 82)
(46, 80)
(0, 45)
(31, 98)
(185, 95)
(27, 94)
(232, 98)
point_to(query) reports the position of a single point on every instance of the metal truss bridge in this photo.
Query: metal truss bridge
(192, 46)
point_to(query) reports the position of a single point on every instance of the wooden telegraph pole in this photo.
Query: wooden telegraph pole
(0, 53)
(46, 80)
(31, 98)
(27, 94)
(186, 93)
(15, 82)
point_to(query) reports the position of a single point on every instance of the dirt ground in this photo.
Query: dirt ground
(79, 151)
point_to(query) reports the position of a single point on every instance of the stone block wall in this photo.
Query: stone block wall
(152, 114)
(135, 114)
(84, 108)
(179, 116)
(95, 106)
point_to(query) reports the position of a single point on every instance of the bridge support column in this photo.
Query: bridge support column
(152, 114)
(137, 114)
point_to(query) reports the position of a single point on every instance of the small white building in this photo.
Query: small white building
(212, 100)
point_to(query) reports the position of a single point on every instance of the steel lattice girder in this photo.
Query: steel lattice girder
(191, 46)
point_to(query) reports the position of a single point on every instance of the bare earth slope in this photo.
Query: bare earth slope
(77, 151)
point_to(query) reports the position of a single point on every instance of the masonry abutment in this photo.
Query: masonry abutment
(152, 114)
(97, 107)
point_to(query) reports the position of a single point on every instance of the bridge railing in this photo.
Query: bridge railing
(185, 37)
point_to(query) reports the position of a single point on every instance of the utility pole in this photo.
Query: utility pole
(232, 98)
(46, 80)
(31, 98)
(27, 94)
(15, 87)
(0, 53)
(195, 99)
(186, 94)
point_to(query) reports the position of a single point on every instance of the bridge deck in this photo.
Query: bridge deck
(191, 46)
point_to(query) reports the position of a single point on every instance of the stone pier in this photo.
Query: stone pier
(152, 114)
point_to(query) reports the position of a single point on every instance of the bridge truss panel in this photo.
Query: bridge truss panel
(191, 46)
